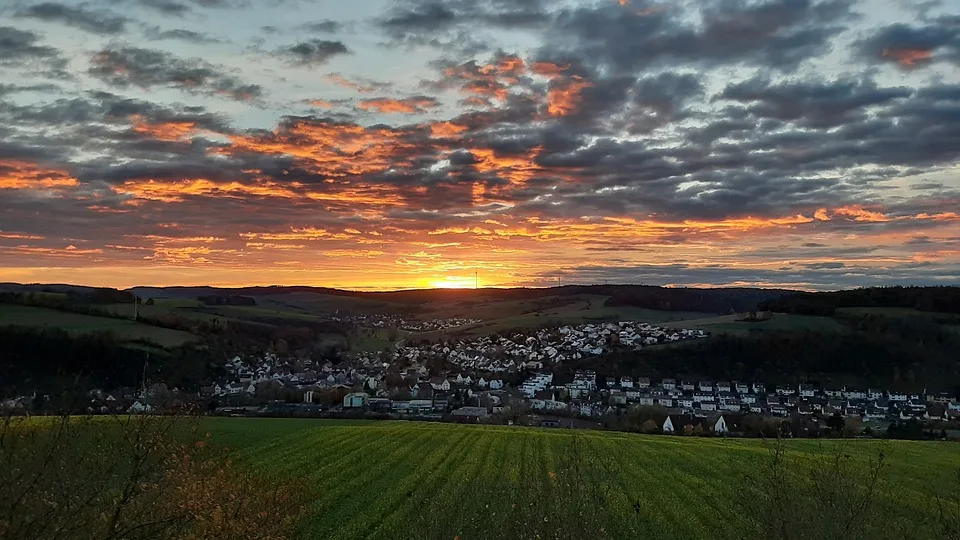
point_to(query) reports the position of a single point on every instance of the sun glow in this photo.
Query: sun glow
(453, 282)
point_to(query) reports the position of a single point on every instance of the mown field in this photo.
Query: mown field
(124, 330)
(417, 480)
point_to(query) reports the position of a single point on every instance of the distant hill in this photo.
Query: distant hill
(720, 300)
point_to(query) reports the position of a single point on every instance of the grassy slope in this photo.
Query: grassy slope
(728, 324)
(414, 480)
(125, 330)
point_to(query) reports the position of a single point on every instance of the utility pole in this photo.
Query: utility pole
(476, 280)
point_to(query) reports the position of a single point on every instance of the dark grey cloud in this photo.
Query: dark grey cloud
(313, 52)
(148, 68)
(916, 45)
(23, 45)
(778, 34)
(453, 25)
(326, 26)
(156, 33)
(168, 7)
(815, 104)
(98, 22)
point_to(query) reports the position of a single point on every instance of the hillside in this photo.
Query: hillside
(414, 480)
(124, 330)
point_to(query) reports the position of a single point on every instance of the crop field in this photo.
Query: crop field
(125, 330)
(417, 480)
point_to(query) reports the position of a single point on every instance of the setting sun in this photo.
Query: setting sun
(454, 282)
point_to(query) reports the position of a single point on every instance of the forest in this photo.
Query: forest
(932, 299)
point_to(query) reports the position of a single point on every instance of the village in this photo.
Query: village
(511, 379)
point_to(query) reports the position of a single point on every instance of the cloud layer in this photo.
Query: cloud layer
(801, 143)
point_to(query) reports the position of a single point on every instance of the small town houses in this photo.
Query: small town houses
(399, 382)
(545, 347)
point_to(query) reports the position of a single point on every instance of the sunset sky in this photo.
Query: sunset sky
(411, 143)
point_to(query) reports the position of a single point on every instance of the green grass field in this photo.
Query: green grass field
(417, 480)
(124, 330)
(728, 324)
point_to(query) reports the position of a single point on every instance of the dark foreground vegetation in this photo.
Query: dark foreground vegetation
(134, 477)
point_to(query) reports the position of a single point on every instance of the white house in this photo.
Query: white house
(626, 382)
(139, 407)
(807, 390)
(643, 382)
(356, 400)
(669, 384)
(723, 386)
(705, 386)
(496, 384)
(439, 383)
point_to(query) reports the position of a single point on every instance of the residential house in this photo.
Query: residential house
(685, 402)
(471, 414)
(873, 394)
(688, 386)
(355, 400)
(439, 383)
(708, 406)
(665, 402)
(759, 388)
(705, 386)
(724, 386)
(785, 391)
(643, 382)
(748, 399)
(669, 384)
(626, 382)
(741, 388)
(854, 394)
(807, 390)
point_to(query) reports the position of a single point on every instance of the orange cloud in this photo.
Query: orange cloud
(564, 98)
(909, 58)
(163, 131)
(548, 69)
(408, 105)
(16, 174)
(340, 80)
(821, 214)
(446, 129)
(321, 104)
(858, 213)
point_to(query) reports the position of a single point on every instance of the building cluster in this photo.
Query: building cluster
(590, 397)
(536, 349)
(382, 320)
(436, 324)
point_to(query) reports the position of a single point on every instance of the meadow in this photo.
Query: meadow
(419, 480)
(79, 323)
